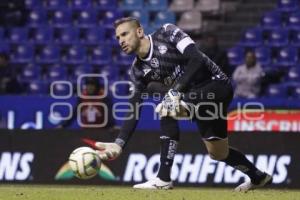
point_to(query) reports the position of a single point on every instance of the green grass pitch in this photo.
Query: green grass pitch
(62, 192)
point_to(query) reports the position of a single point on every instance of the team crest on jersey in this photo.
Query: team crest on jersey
(162, 49)
(154, 62)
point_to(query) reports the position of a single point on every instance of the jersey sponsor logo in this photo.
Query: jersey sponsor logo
(199, 168)
(162, 49)
(154, 62)
(146, 71)
(15, 165)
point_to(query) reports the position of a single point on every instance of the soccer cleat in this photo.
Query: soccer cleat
(248, 185)
(155, 184)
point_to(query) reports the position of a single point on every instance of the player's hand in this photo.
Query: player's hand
(172, 105)
(108, 151)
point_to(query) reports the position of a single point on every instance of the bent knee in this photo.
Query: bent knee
(218, 156)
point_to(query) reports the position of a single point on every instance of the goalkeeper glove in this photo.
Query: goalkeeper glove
(108, 151)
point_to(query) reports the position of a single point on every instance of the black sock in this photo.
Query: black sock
(239, 161)
(168, 149)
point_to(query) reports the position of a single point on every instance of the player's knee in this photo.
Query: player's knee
(219, 156)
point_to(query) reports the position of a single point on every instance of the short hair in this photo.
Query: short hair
(127, 19)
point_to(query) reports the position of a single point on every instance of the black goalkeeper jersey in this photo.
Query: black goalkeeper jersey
(166, 63)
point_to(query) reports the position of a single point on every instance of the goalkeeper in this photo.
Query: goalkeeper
(169, 57)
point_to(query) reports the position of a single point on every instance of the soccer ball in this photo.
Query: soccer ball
(85, 162)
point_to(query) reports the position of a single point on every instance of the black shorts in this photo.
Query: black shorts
(211, 102)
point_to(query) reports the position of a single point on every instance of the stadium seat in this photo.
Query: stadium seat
(61, 17)
(106, 4)
(142, 15)
(156, 5)
(68, 35)
(110, 16)
(56, 72)
(33, 4)
(252, 37)
(30, 73)
(56, 4)
(43, 35)
(278, 38)
(287, 56)
(263, 55)
(131, 5)
(76, 54)
(296, 91)
(93, 35)
(18, 35)
(37, 17)
(38, 87)
(293, 22)
(110, 71)
(236, 55)
(271, 20)
(162, 18)
(61, 89)
(208, 6)
(100, 55)
(190, 21)
(86, 18)
(5, 47)
(124, 59)
(277, 91)
(49, 54)
(288, 5)
(293, 74)
(80, 70)
(23, 53)
(295, 38)
(182, 5)
(81, 4)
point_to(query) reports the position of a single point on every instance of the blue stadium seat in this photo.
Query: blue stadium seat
(295, 38)
(56, 72)
(293, 74)
(252, 37)
(263, 55)
(18, 35)
(142, 15)
(38, 87)
(81, 4)
(100, 55)
(278, 38)
(30, 73)
(68, 35)
(111, 72)
(271, 20)
(37, 17)
(80, 70)
(56, 4)
(157, 5)
(277, 91)
(106, 4)
(293, 22)
(110, 16)
(93, 35)
(162, 18)
(5, 47)
(131, 5)
(61, 18)
(49, 54)
(33, 4)
(76, 54)
(296, 91)
(236, 55)
(287, 56)
(43, 35)
(61, 89)
(86, 18)
(23, 53)
(287, 5)
(124, 59)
